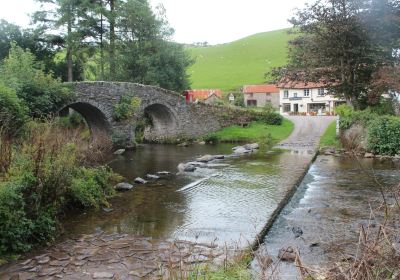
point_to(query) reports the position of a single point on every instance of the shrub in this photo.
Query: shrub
(271, 118)
(357, 117)
(15, 227)
(91, 187)
(344, 110)
(384, 136)
(45, 178)
(126, 107)
(40, 92)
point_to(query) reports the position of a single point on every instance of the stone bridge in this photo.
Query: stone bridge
(171, 117)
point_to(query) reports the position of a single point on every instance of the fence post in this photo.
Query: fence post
(338, 126)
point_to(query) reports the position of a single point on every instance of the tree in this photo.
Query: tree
(146, 54)
(40, 92)
(27, 39)
(69, 19)
(337, 45)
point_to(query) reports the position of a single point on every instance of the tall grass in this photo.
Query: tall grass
(46, 175)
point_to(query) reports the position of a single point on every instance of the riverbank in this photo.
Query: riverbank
(254, 132)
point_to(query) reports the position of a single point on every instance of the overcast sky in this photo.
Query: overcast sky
(213, 21)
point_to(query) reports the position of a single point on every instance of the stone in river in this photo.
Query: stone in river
(119, 152)
(139, 180)
(182, 167)
(287, 254)
(205, 158)
(163, 173)
(241, 150)
(151, 176)
(297, 231)
(123, 187)
(253, 146)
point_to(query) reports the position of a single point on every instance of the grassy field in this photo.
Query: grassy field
(232, 65)
(329, 138)
(255, 132)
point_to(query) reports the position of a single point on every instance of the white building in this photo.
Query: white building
(306, 98)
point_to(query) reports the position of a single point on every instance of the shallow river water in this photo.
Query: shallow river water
(226, 201)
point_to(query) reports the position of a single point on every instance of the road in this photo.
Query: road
(307, 132)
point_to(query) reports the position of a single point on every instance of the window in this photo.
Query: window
(295, 94)
(286, 107)
(321, 92)
(268, 94)
(306, 92)
(252, 103)
(285, 93)
(251, 95)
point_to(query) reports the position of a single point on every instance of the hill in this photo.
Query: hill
(245, 61)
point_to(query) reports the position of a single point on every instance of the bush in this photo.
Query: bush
(271, 118)
(384, 136)
(45, 178)
(344, 110)
(39, 91)
(357, 117)
(91, 187)
(126, 107)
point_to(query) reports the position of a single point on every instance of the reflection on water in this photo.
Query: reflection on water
(223, 201)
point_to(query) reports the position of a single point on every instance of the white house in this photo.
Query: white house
(306, 98)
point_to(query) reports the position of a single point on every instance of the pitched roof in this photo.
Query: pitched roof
(202, 94)
(288, 83)
(260, 89)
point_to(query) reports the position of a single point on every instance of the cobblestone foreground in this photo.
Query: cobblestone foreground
(116, 256)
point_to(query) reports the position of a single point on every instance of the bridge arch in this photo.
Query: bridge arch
(163, 121)
(97, 121)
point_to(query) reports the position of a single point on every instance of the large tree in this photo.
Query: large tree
(68, 25)
(340, 43)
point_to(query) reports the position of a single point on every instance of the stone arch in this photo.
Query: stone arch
(96, 119)
(163, 119)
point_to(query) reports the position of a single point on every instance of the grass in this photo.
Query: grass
(232, 65)
(329, 138)
(256, 131)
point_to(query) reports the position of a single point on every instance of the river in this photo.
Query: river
(226, 202)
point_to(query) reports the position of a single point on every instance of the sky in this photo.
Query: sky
(212, 21)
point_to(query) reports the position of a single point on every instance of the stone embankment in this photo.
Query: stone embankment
(116, 256)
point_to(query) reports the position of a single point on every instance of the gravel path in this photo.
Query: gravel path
(307, 132)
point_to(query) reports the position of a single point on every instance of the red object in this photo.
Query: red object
(200, 94)
(260, 89)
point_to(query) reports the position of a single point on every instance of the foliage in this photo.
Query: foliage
(12, 119)
(269, 115)
(73, 120)
(126, 107)
(91, 187)
(12, 112)
(357, 117)
(343, 43)
(44, 178)
(221, 66)
(344, 110)
(329, 138)
(40, 92)
(384, 136)
(256, 131)
(26, 39)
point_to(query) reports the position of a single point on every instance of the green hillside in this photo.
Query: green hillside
(232, 65)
